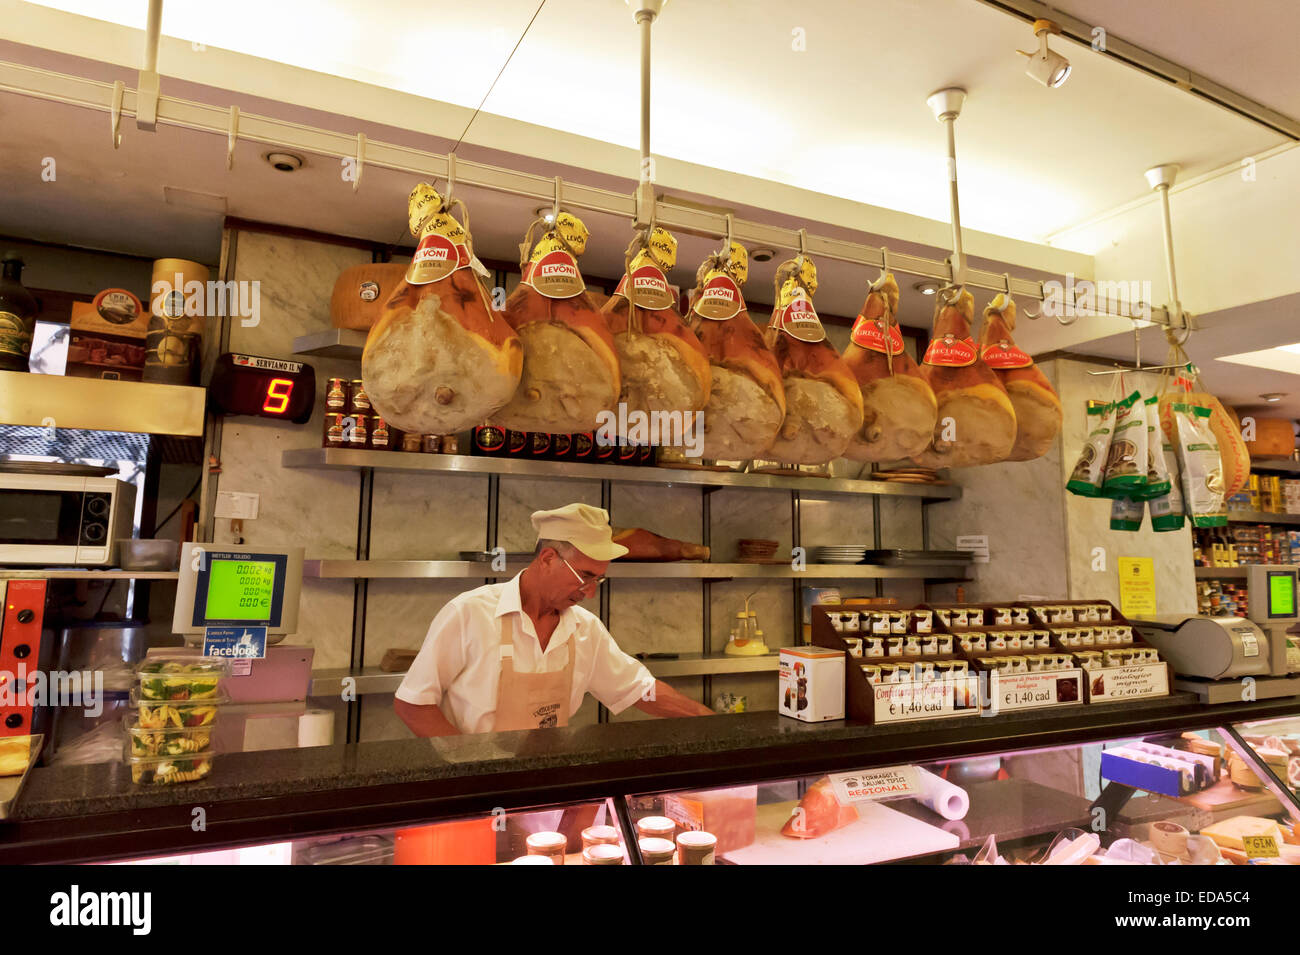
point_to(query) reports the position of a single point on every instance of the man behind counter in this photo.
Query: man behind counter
(522, 654)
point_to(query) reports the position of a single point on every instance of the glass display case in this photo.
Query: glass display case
(1181, 798)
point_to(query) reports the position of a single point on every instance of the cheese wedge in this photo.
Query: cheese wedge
(1228, 833)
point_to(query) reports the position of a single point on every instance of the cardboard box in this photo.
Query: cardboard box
(811, 686)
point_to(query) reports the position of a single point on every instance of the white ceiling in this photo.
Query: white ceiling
(845, 116)
(1246, 45)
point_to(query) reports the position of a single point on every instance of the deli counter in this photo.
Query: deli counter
(1075, 783)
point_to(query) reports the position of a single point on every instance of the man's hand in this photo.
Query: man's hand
(425, 720)
(667, 702)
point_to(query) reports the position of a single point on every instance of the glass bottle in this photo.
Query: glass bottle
(18, 310)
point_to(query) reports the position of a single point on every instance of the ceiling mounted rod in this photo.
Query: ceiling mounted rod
(149, 84)
(1160, 179)
(677, 217)
(946, 106)
(645, 14)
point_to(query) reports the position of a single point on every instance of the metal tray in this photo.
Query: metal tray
(11, 787)
(897, 557)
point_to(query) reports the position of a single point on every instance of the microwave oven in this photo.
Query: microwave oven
(60, 520)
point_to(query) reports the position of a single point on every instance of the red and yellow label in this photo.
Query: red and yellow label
(868, 333)
(650, 288)
(436, 257)
(799, 320)
(1003, 354)
(719, 299)
(951, 351)
(555, 275)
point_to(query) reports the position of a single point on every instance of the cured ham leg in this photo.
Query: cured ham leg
(571, 369)
(746, 398)
(645, 546)
(976, 422)
(898, 407)
(439, 360)
(663, 364)
(1037, 407)
(823, 403)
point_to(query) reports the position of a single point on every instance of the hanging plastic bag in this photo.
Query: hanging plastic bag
(1167, 510)
(1200, 466)
(1158, 481)
(1126, 464)
(1126, 514)
(1090, 469)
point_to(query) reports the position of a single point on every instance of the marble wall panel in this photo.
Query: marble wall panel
(519, 497)
(427, 516)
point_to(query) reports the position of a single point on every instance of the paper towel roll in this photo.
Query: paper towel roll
(316, 728)
(941, 796)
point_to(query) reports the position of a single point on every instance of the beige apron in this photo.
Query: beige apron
(529, 701)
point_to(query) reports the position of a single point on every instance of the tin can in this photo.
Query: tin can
(412, 441)
(333, 437)
(380, 436)
(489, 440)
(336, 395)
(450, 444)
(561, 447)
(359, 401)
(431, 443)
(582, 446)
(539, 445)
(359, 433)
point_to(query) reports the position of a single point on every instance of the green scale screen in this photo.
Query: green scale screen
(240, 590)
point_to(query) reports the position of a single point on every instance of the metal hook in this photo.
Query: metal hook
(803, 243)
(361, 161)
(726, 248)
(115, 114)
(555, 208)
(232, 136)
(1137, 346)
(1041, 296)
(451, 179)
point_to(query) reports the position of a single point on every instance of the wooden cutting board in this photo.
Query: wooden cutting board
(397, 661)
(881, 834)
(1224, 796)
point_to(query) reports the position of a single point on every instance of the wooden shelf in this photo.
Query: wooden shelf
(409, 462)
(142, 407)
(627, 570)
(1221, 573)
(1281, 466)
(1262, 517)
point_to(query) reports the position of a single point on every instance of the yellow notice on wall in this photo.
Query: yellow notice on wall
(1137, 587)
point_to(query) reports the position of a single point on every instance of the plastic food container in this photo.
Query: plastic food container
(170, 741)
(170, 770)
(157, 714)
(181, 678)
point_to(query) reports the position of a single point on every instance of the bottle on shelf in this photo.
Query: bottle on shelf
(18, 308)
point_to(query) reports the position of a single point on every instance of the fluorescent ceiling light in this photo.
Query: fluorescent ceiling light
(1283, 358)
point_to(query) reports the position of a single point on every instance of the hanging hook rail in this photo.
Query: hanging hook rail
(1144, 369)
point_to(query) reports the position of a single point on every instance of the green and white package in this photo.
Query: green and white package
(1200, 466)
(1090, 469)
(1158, 480)
(1126, 514)
(1167, 509)
(1126, 463)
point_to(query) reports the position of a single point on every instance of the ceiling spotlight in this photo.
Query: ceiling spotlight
(762, 255)
(927, 287)
(1274, 396)
(284, 162)
(546, 213)
(1049, 68)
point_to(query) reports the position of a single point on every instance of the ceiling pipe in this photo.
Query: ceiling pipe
(149, 85)
(1161, 178)
(946, 105)
(646, 11)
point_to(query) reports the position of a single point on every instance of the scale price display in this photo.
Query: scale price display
(240, 590)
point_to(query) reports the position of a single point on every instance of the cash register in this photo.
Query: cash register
(1229, 647)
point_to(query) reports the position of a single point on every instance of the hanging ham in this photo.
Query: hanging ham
(976, 422)
(746, 398)
(898, 407)
(1037, 407)
(823, 403)
(570, 368)
(664, 365)
(439, 359)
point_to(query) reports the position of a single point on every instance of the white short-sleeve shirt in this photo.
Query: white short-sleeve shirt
(458, 667)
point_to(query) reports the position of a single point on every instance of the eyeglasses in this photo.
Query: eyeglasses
(583, 579)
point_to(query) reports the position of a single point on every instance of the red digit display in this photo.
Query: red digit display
(278, 391)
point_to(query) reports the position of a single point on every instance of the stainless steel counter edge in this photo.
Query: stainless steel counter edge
(82, 813)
